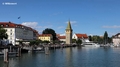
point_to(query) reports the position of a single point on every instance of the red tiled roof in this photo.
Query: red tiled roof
(45, 35)
(81, 35)
(61, 37)
(57, 35)
(13, 25)
(7, 24)
(10, 25)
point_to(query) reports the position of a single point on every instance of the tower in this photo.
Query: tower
(68, 32)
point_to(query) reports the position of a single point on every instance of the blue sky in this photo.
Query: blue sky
(86, 16)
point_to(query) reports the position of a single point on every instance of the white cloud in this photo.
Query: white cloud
(63, 34)
(30, 24)
(36, 26)
(57, 13)
(114, 26)
(48, 26)
(60, 27)
(73, 22)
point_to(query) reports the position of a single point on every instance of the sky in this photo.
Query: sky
(91, 17)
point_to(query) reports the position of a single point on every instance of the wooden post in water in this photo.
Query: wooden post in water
(5, 55)
(46, 49)
(61, 46)
(18, 52)
(10, 48)
(54, 47)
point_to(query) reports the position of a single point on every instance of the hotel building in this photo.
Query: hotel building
(18, 32)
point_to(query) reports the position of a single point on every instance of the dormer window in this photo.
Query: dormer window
(6, 25)
(22, 27)
(1, 25)
(16, 26)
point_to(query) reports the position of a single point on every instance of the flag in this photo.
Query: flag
(18, 17)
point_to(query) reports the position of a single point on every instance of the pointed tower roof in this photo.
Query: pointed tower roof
(69, 26)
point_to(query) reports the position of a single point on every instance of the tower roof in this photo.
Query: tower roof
(69, 26)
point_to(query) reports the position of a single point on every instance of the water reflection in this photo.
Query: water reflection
(68, 57)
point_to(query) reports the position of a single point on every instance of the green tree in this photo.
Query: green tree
(97, 39)
(50, 31)
(32, 43)
(79, 41)
(21, 43)
(90, 38)
(3, 34)
(35, 42)
(46, 42)
(105, 37)
(109, 39)
(73, 40)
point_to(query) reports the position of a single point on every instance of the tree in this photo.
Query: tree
(35, 42)
(79, 41)
(105, 37)
(46, 42)
(90, 38)
(109, 39)
(96, 39)
(50, 31)
(3, 34)
(73, 40)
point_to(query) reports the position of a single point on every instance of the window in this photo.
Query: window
(1, 25)
(6, 25)
(10, 33)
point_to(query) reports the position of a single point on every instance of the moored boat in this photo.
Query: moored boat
(89, 44)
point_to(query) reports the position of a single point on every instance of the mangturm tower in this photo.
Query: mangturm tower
(68, 32)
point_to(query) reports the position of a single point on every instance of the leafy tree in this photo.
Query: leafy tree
(109, 39)
(21, 43)
(46, 41)
(105, 37)
(3, 34)
(56, 41)
(90, 38)
(32, 43)
(97, 39)
(79, 41)
(35, 42)
(73, 40)
(50, 31)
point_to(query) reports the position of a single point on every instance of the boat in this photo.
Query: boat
(89, 44)
(24, 50)
(38, 49)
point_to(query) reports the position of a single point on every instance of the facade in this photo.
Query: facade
(82, 37)
(68, 33)
(18, 32)
(116, 40)
(45, 37)
(62, 38)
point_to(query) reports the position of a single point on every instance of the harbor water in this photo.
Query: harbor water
(68, 57)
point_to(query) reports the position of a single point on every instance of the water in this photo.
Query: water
(68, 57)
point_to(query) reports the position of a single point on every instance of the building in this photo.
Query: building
(116, 39)
(82, 37)
(46, 37)
(18, 32)
(62, 38)
(68, 33)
